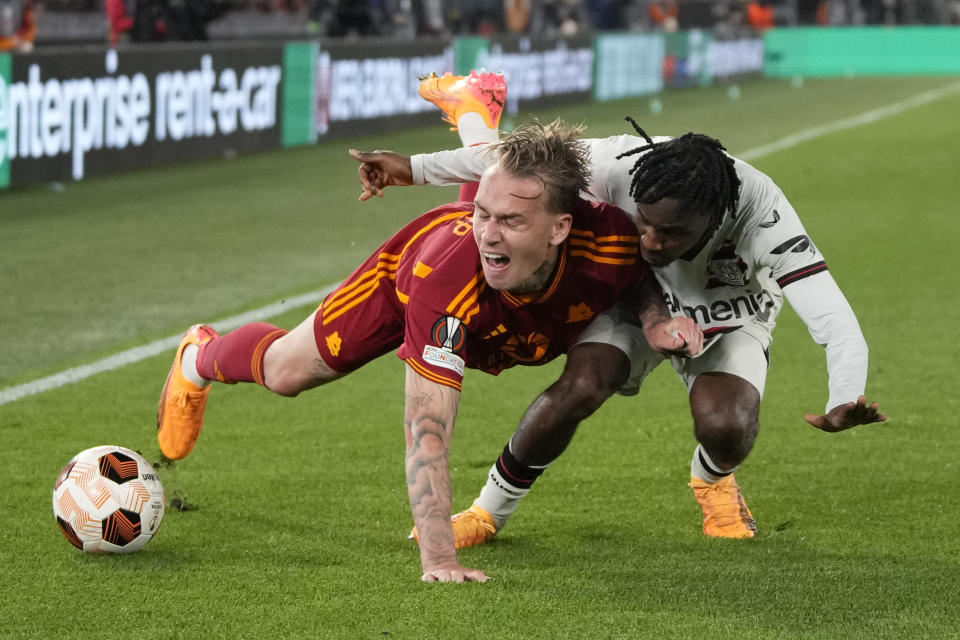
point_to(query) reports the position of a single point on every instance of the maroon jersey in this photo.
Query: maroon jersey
(424, 292)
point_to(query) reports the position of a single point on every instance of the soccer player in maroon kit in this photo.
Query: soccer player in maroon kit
(509, 279)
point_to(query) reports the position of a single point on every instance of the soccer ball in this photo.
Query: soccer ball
(108, 500)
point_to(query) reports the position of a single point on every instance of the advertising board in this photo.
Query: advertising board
(97, 111)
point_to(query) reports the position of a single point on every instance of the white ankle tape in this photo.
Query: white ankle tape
(499, 498)
(706, 469)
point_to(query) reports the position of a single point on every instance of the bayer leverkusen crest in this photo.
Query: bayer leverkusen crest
(726, 268)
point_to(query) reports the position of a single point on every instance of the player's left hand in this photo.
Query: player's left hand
(379, 169)
(846, 416)
(677, 337)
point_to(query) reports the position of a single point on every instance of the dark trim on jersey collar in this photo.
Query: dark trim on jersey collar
(537, 297)
(708, 235)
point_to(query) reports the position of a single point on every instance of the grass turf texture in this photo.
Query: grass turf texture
(301, 512)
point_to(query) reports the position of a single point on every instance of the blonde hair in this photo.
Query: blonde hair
(552, 153)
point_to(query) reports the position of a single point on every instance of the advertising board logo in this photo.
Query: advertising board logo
(48, 117)
(534, 74)
(355, 89)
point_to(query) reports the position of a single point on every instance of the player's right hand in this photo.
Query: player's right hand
(453, 572)
(679, 336)
(379, 169)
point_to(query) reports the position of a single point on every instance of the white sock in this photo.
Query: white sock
(188, 366)
(473, 130)
(499, 498)
(704, 468)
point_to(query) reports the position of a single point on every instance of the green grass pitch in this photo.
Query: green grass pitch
(301, 519)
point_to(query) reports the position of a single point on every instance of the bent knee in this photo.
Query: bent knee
(594, 371)
(727, 436)
(290, 367)
(284, 385)
(725, 415)
(723, 427)
(582, 394)
(286, 379)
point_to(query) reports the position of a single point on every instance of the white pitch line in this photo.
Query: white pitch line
(849, 123)
(136, 354)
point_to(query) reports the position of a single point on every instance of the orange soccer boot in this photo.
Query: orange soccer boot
(725, 514)
(471, 527)
(483, 93)
(180, 412)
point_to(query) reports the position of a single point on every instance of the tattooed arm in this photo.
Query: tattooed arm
(430, 412)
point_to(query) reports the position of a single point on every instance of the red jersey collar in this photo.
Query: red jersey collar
(518, 300)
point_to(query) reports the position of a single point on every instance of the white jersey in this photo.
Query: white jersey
(736, 281)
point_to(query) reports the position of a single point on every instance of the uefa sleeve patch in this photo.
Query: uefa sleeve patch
(449, 333)
(443, 358)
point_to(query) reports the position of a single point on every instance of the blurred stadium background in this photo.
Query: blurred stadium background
(196, 170)
(90, 21)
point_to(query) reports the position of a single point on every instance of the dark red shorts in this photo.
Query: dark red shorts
(359, 322)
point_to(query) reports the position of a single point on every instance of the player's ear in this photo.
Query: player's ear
(561, 228)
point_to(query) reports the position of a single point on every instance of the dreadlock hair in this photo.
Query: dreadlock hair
(551, 153)
(692, 169)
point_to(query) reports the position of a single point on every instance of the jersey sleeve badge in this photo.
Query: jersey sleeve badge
(449, 337)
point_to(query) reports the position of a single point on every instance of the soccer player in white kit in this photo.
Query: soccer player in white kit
(726, 247)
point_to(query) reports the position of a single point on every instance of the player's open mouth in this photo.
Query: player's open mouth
(496, 261)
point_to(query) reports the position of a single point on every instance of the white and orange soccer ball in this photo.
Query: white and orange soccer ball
(108, 500)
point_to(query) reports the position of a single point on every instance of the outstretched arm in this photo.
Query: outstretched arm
(429, 414)
(379, 169)
(831, 322)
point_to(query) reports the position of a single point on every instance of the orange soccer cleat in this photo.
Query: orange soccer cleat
(725, 514)
(483, 93)
(471, 527)
(180, 413)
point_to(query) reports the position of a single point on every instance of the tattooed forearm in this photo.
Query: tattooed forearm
(428, 447)
(430, 412)
(428, 485)
(417, 401)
